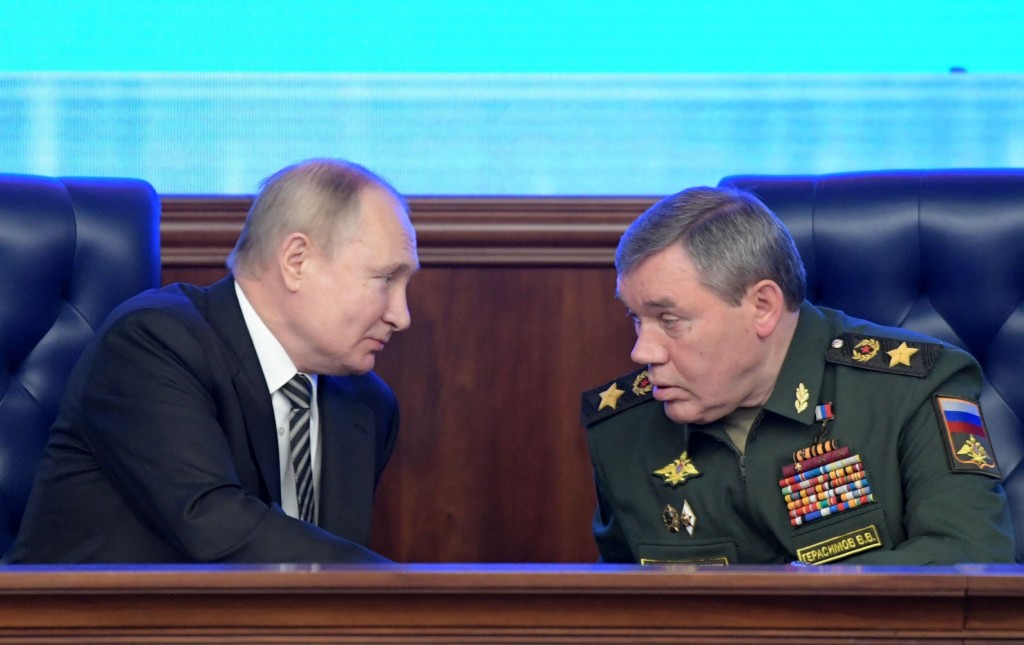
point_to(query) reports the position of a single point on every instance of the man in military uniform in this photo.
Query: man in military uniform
(764, 429)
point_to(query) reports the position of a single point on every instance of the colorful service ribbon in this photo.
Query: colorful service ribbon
(824, 480)
(859, 489)
(789, 470)
(824, 487)
(820, 470)
(831, 510)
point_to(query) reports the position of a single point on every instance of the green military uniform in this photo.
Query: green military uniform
(685, 493)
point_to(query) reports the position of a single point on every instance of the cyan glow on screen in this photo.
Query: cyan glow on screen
(573, 36)
(532, 97)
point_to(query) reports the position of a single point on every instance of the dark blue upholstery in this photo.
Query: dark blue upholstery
(70, 251)
(939, 252)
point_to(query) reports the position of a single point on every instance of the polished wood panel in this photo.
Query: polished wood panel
(513, 316)
(511, 604)
(199, 232)
(492, 463)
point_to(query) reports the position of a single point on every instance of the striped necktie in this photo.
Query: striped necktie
(300, 392)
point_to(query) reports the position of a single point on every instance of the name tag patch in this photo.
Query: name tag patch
(840, 546)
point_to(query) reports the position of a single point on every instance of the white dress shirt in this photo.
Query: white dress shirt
(278, 369)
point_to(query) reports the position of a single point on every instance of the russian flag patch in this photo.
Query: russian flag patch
(963, 427)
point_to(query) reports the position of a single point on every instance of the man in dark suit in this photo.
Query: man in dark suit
(240, 422)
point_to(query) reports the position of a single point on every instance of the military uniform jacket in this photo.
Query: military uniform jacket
(935, 492)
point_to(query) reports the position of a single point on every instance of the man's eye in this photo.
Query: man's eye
(669, 321)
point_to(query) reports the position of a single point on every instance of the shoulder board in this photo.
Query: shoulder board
(890, 355)
(615, 396)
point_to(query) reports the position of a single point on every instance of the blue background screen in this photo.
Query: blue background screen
(534, 98)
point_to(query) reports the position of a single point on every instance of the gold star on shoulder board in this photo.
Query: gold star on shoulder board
(901, 355)
(610, 397)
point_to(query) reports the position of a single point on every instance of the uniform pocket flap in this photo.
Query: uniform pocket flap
(709, 553)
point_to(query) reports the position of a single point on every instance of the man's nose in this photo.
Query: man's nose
(397, 314)
(646, 350)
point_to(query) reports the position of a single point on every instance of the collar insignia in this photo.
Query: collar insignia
(802, 397)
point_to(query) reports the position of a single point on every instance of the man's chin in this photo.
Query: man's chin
(366, 366)
(356, 368)
(682, 412)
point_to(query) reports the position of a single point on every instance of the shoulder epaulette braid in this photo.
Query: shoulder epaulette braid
(614, 397)
(889, 355)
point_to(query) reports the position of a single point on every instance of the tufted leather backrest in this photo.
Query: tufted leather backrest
(71, 250)
(939, 252)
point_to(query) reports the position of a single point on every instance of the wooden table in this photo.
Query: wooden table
(510, 604)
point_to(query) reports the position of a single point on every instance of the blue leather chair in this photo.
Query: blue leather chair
(71, 250)
(940, 252)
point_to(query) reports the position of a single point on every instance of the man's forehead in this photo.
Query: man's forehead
(384, 217)
(396, 250)
(642, 293)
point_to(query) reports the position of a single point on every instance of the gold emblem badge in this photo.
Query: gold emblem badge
(973, 450)
(610, 397)
(678, 471)
(901, 355)
(642, 384)
(683, 518)
(802, 397)
(866, 349)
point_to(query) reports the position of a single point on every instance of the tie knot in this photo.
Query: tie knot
(299, 391)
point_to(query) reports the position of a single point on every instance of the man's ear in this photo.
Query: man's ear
(768, 305)
(293, 258)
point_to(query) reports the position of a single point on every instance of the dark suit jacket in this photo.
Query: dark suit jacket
(165, 448)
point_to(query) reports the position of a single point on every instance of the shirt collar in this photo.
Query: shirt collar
(277, 367)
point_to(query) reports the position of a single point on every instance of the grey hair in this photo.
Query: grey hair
(318, 197)
(732, 237)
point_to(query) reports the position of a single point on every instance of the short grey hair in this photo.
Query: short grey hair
(318, 197)
(732, 237)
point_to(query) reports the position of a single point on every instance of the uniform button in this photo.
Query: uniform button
(281, 430)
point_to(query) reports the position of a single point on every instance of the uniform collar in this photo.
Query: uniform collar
(798, 388)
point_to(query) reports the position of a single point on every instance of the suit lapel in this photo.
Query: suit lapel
(225, 315)
(347, 461)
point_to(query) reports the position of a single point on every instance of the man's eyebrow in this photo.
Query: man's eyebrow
(661, 303)
(398, 267)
